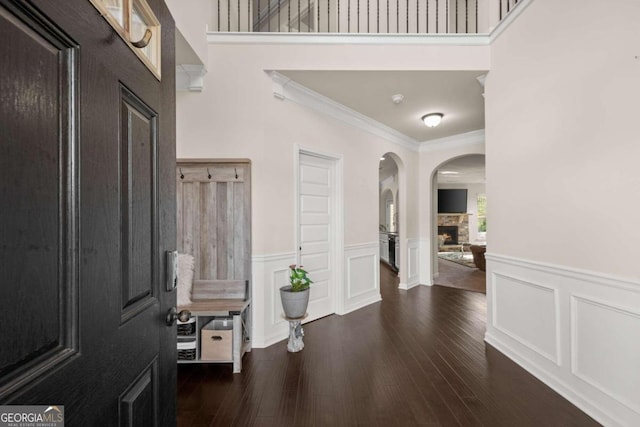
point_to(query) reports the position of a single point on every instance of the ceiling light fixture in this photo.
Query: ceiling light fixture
(433, 119)
(381, 158)
(449, 172)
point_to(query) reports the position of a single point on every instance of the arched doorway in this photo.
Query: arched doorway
(458, 216)
(392, 214)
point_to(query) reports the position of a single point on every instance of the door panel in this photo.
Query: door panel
(138, 202)
(88, 154)
(316, 235)
(139, 403)
(38, 189)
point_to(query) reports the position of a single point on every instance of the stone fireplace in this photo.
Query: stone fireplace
(447, 222)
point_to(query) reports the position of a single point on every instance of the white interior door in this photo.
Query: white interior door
(316, 236)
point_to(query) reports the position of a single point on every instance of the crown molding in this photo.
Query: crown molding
(476, 137)
(348, 38)
(285, 88)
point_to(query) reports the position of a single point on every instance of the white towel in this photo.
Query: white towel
(186, 265)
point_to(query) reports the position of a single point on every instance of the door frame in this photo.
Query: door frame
(337, 218)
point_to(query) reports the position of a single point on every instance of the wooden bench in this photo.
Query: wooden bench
(222, 298)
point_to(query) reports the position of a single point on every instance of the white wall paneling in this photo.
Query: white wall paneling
(413, 264)
(605, 335)
(424, 262)
(576, 330)
(270, 273)
(362, 276)
(360, 287)
(526, 312)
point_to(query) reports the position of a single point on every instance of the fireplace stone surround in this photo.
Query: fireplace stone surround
(455, 220)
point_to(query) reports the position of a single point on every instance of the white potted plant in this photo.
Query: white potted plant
(295, 295)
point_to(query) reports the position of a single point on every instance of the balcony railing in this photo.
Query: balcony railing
(359, 16)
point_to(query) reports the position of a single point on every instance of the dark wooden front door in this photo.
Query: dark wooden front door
(87, 211)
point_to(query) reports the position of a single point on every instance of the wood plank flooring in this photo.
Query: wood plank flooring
(416, 359)
(458, 276)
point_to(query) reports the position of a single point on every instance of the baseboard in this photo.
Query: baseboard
(276, 337)
(553, 382)
(371, 300)
(407, 286)
(271, 340)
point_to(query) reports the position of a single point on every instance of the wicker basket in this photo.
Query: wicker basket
(187, 350)
(188, 327)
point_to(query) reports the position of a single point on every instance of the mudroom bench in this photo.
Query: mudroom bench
(219, 330)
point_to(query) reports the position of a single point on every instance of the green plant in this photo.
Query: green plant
(298, 278)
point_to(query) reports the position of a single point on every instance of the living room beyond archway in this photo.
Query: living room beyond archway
(460, 223)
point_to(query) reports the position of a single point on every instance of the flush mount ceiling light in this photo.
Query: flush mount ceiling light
(382, 158)
(433, 119)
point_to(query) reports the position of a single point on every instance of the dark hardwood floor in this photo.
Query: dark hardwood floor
(416, 358)
(459, 276)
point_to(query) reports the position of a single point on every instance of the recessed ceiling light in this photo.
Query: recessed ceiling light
(433, 119)
(382, 158)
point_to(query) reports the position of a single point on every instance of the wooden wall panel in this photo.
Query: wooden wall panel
(214, 218)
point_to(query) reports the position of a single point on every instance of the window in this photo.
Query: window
(137, 25)
(482, 213)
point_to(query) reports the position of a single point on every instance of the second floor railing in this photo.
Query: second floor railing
(358, 16)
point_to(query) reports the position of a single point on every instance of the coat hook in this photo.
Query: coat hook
(181, 174)
(236, 170)
(208, 173)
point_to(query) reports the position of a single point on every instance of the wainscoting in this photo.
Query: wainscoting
(577, 331)
(359, 287)
(413, 264)
(362, 276)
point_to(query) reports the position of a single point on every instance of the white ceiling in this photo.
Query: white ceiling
(463, 170)
(456, 94)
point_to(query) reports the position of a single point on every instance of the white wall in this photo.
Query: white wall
(562, 105)
(192, 21)
(237, 116)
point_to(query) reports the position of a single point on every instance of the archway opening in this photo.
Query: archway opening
(459, 221)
